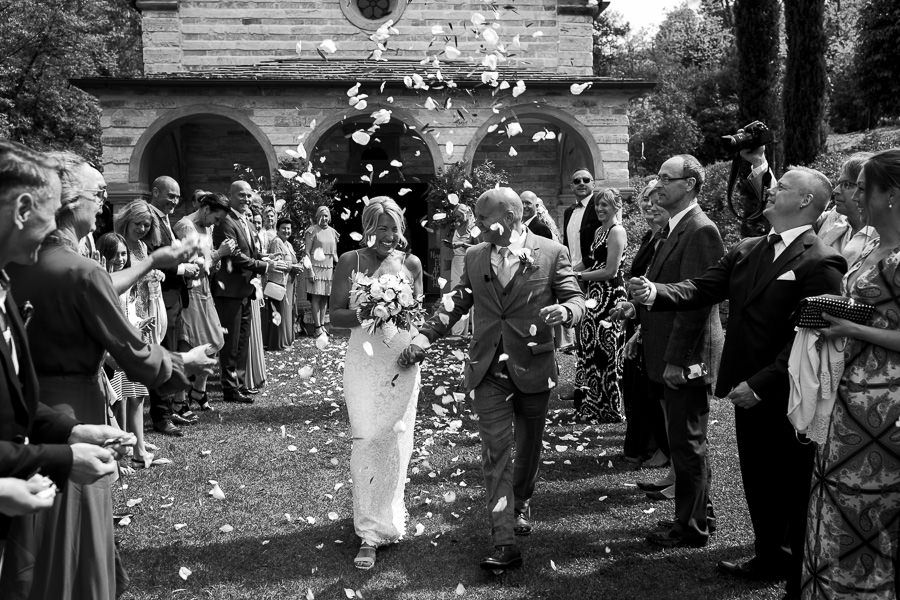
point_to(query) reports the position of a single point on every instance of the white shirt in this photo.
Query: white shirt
(675, 219)
(787, 238)
(573, 231)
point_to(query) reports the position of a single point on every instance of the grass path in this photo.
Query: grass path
(288, 507)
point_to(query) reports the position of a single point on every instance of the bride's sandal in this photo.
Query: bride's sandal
(365, 558)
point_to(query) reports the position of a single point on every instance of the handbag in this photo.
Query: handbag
(809, 311)
(274, 291)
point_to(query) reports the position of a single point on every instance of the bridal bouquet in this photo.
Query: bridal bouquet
(387, 302)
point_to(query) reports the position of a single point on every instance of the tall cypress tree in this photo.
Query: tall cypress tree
(756, 38)
(877, 59)
(805, 80)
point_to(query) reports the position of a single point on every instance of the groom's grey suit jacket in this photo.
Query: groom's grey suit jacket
(506, 316)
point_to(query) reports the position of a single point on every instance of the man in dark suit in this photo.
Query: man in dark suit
(521, 286)
(232, 290)
(580, 220)
(167, 412)
(672, 342)
(33, 436)
(530, 218)
(764, 278)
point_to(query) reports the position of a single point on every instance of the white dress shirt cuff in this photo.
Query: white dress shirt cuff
(652, 298)
(421, 341)
(181, 269)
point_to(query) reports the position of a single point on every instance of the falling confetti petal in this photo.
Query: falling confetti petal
(512, 151)
(449, 496)
(420, 529)
(501, 505)
(553, 566)
(226, 528)
(532, 329)
(292, 448)
(349, 593)
(333, 516)
(184, 573)
(451, 52)
(216, 492)
(134, 502)
(124, 521)
(519, 89)
(513, 128)
(577, 88)
(356, 236)
(323, 341)
(299, 47)
(328, 46)
(305, 372)
(179, 526)
(361, 137)
(460, 589)
(403, 191)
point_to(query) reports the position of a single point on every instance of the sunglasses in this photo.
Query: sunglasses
(576, 181)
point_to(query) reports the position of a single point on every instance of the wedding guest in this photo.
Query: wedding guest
(76, 320)
(269, 229)
(598, 368)
(512, 363)
(116, 256)
(320, 244)
(281, 333)
(255, 368)
(199, 320)
(842, 227)
(57, 444)
(530, 217)
(854, 507)
(542, 214)
(645, 430)
(234, 293)
(460, 241)
(381, 398)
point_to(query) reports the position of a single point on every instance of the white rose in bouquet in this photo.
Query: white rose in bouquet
(389, 294)
(394, 309)
(380, 312)
(376, 291)
(406, 299)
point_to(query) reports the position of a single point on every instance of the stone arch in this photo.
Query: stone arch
(138, 166)
(548, 113)
(399, 114)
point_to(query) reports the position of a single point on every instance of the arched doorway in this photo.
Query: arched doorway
(369, 170)
(200, 151)
(542, 157)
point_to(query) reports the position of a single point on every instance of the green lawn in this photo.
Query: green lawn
(287, 498)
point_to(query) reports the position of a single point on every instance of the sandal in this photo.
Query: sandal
(142, 463)
(365, 558)
(201, 398)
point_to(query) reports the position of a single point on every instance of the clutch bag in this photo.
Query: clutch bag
(274, 291)
(809, 312)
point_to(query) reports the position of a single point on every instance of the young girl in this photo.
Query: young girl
(114, 251)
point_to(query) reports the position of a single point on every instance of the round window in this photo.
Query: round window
(371, 14)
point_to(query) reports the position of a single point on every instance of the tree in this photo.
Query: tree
(756, 36)
(610, 34)
(43, 43)
(877, 57)
(804, 80)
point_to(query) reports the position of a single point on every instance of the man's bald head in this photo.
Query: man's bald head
(816, 184)
(529, 202)
(165, 194)
(239, 195)
(498, 212)
(504, 200)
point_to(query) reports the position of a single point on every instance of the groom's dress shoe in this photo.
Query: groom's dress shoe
(753, 570)
(523, 525)
(665, 524)
(504, 557)
(236, 396)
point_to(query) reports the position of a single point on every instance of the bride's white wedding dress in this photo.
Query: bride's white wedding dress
(381, 402)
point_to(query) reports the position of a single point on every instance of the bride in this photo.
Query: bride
(381, 396)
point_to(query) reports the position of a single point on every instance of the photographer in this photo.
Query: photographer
(750, 169)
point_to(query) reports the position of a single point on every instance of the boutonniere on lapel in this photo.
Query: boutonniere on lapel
(526, 257)
(26, 311)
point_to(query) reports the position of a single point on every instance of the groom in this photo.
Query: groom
(521, 286)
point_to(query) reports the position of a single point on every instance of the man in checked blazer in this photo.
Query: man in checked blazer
(521, 286)
(674, 341)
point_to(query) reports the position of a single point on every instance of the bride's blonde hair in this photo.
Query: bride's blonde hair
(382, 205)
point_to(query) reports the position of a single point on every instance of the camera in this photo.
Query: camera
(751, 136)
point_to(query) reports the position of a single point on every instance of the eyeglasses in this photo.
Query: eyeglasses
(97, 195)
(576, 181)
(666, 180)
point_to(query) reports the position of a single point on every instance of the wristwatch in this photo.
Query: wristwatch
(568, 320)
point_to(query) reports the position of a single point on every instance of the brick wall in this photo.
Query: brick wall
(203, 33)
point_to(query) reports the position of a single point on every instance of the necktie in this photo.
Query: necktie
(769, 252)
(504, 270)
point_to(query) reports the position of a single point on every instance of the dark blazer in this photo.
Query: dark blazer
(760, 332)
(537, 227)
(232, 280)
(507, 317)
(692, 336)
(641, 261)
(173, 286)
(589, 225)
(23, 417)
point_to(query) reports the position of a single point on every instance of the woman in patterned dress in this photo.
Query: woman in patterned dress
(599, 357)
(854, 509)
(320, 241)
(281, 328)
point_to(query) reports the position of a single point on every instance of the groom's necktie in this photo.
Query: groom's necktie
(767, 256)
(505, 269)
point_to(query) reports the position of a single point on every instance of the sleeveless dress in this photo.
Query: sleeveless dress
(381, 403)
(199, 320)
(321, 246)
(599, 356)
(852, 534)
